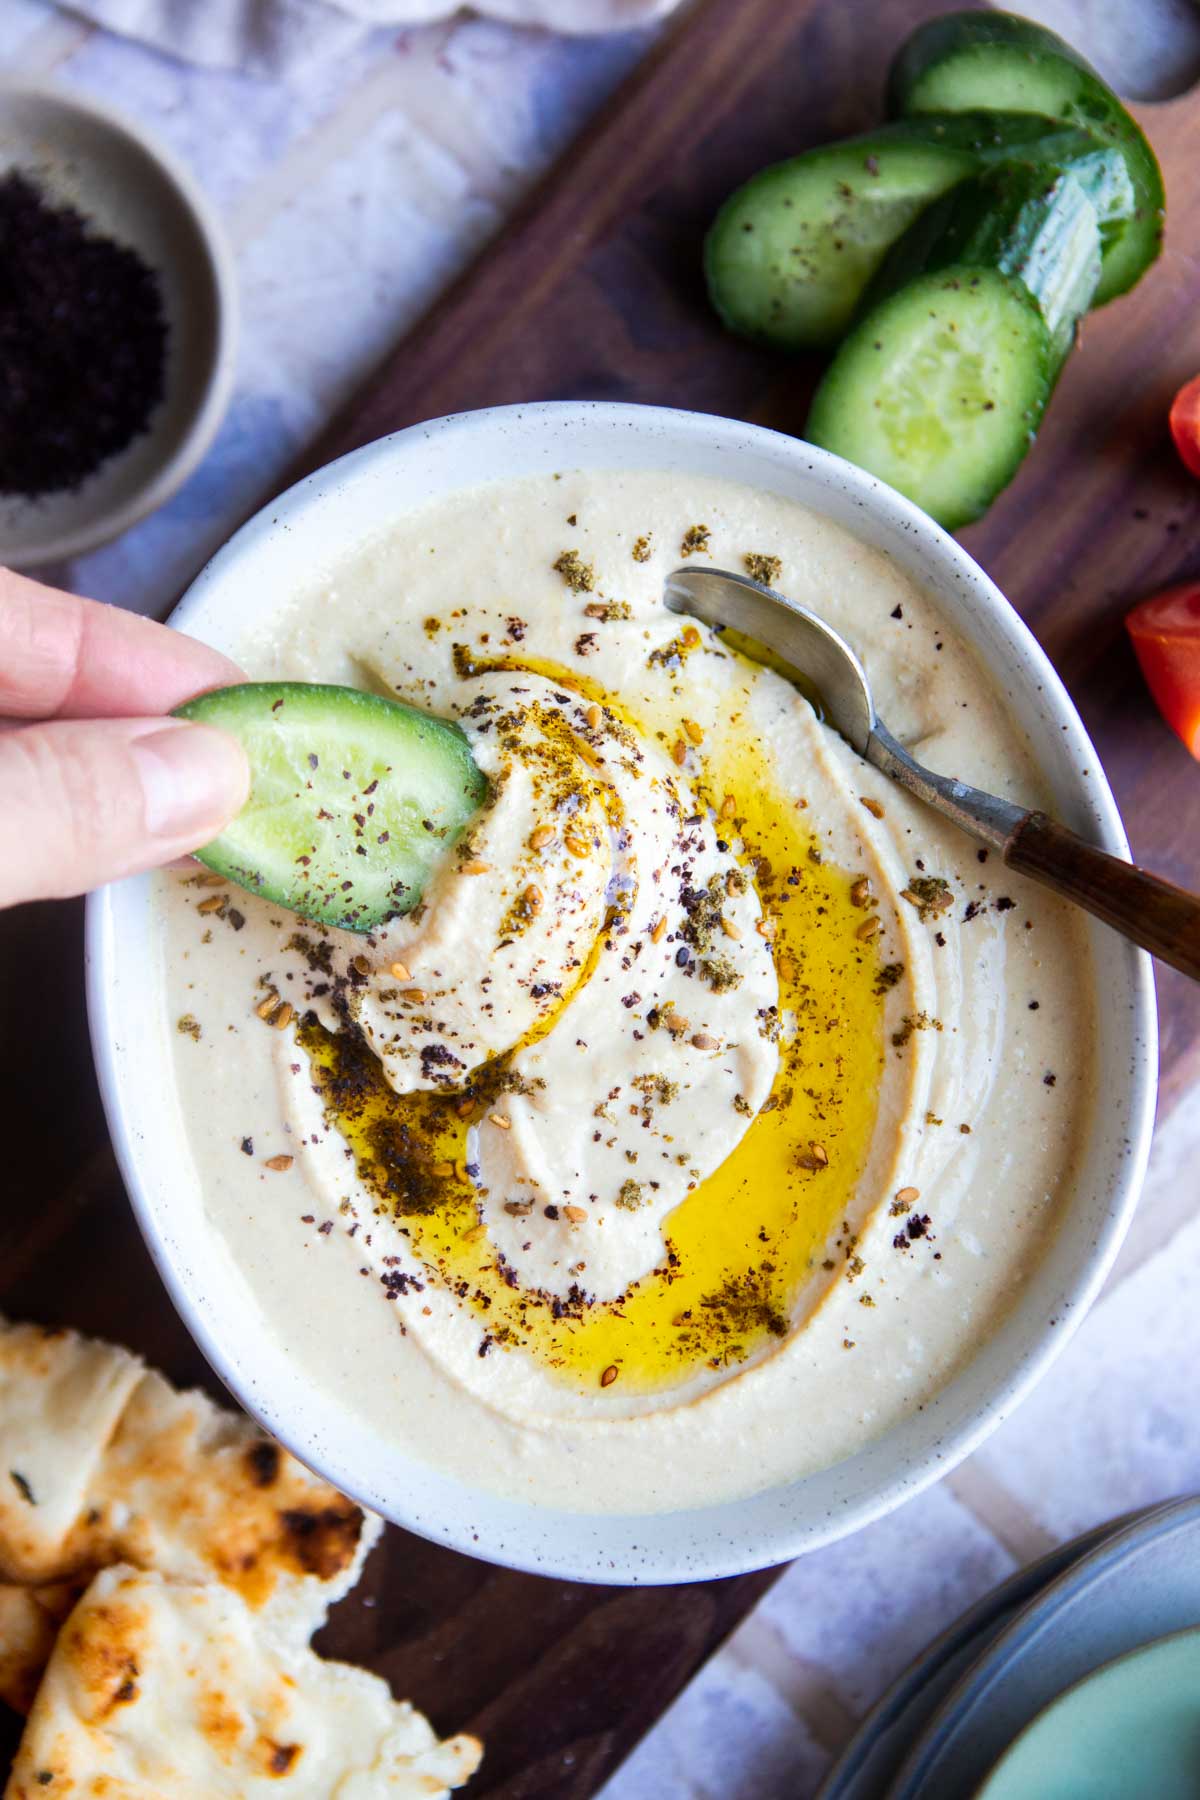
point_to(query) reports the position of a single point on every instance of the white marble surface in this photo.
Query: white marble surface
(352, 195)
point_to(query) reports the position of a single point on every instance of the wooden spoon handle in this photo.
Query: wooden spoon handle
(1161, 918)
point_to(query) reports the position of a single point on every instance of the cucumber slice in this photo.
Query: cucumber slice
(963, 61)
(940, 390)
(790, 253)
(354, 799)
(1037, 225)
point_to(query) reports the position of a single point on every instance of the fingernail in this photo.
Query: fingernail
(194, 779)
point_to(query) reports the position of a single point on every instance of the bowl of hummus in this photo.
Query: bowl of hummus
(724, 1144)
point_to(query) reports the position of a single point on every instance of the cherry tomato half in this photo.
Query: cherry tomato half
(1166, 637)
(1185, 424)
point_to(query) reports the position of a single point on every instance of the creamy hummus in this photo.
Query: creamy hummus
(718, 1098)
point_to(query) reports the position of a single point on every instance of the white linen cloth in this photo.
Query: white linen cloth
(271, 36)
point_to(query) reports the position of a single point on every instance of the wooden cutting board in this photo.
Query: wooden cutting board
(594, 291)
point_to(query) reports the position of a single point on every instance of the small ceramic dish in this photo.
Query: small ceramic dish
(275, 554)
(1139, 1585)
(83, 155)
(1132, 1726)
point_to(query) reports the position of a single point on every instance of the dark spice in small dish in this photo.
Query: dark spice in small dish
(83, 343)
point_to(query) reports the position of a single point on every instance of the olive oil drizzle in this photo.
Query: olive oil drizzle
(739, 1249)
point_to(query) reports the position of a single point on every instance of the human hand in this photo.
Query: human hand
(103, 784)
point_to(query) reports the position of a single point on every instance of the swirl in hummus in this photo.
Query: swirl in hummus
(711, 1106)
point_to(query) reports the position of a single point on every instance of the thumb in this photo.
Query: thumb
(85, 803)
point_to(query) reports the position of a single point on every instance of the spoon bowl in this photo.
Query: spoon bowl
(1161, 918)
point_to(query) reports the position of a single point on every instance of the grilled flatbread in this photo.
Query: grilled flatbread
(61, 1396)
(160, 1688)
(108, 1463)
(27, 1634)
(200, 1493)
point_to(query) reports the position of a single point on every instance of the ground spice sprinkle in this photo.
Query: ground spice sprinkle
(83, 343)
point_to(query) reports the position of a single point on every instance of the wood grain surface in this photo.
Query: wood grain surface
(594, 291)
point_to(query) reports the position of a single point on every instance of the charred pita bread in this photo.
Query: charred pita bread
(116, 1465)
(27, 1634)
(197, 1492)
(159, 1688)
(61, 1396)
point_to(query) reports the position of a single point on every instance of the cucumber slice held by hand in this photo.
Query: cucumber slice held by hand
(962, 61)
(354, 799)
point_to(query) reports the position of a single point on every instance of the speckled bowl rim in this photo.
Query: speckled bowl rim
(213, 400)
(129, 1028)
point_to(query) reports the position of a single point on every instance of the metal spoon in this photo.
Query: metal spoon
(1161, 918)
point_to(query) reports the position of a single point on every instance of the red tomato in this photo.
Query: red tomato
(1166, 636)
(1185, 424)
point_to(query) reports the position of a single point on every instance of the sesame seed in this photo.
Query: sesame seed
(499, 1120)
(279, 1163)
(690, 636)
(418, 996)
(595, 717)
(401, 971)
(675, 1025)
(908, 1196)
(658, 929)
(728, 807)
(283, 1016)
(609, 1375)
(860, 891)
(539, 838)
(868, 928)
(441, 1171)
(695, 732)
(766, 928)
(872, 806)
(678, 753)
(213, 904)
(730, 929)
(533, 897)
(266, 1007)
(576, 1214)
(702, 1041)
(578, 846)
(475, 867)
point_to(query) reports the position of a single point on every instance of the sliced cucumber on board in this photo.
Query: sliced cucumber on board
(940, 390)
(941, 387)
(790, 253)
(962, 61)
(354, 799)
(1038, 225)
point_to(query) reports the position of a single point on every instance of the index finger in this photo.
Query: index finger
(63, 657)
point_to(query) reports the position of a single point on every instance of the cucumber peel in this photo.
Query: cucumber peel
(1038, 225)
(354, 799)
(791, 251)
(962, 61)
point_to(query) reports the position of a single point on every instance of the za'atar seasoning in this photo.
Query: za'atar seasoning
(83, 343)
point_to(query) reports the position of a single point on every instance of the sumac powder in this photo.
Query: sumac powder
(83, 343)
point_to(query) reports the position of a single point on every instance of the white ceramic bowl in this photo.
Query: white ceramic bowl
(276, 553)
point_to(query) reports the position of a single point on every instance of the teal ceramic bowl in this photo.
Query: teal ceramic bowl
(1132, 1727)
